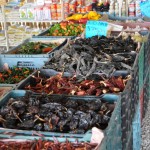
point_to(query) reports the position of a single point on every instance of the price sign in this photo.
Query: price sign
(145, 8)
(3, 2)
(96, 28)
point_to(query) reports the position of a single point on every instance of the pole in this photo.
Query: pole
(5, 27)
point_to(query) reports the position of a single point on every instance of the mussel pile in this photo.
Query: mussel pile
(58, 84)
(97, 54)
(55, 114)
(46, 145)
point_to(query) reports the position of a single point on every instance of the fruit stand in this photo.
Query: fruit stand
(71, 77)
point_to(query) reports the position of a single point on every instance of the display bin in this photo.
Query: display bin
(46, 73)
(61, 40)
(109, 131)
(26, 62)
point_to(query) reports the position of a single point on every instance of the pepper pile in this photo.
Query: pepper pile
(71, 86)
(66, 29)
(36, 48)
(45, 145)
(14, 75)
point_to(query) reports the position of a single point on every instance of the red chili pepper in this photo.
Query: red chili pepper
(83, 20)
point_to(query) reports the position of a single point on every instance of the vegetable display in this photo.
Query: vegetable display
(46, 145)
(36, 48)
(72, 86)
(103, 55)
(55, 113)
(66, 29)
(14, 75)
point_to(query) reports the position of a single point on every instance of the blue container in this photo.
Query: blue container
(25, 134)
(61, 40)
(22, 62)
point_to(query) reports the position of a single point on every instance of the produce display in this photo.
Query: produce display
(58, 84)
(84, 57)
(14, 75)
(36, 48)
(66, 29)
(45, 145)
(92, 15)
(57, 114)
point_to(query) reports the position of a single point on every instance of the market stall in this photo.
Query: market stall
(75, 78)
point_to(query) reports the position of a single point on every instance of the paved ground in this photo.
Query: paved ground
(146, 131)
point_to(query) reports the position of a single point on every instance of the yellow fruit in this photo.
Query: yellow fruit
(85, 16)
(92, 15)
(75, 17)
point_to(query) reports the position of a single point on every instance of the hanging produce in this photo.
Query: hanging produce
(55, 113)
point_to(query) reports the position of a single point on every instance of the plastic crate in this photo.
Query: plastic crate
(22, 62)
(129, 101)
(25, 134)
(136, 125)
(113, 133)
(62, 41)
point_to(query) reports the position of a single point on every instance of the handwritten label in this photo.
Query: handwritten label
(145, 8)
(96, 28)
